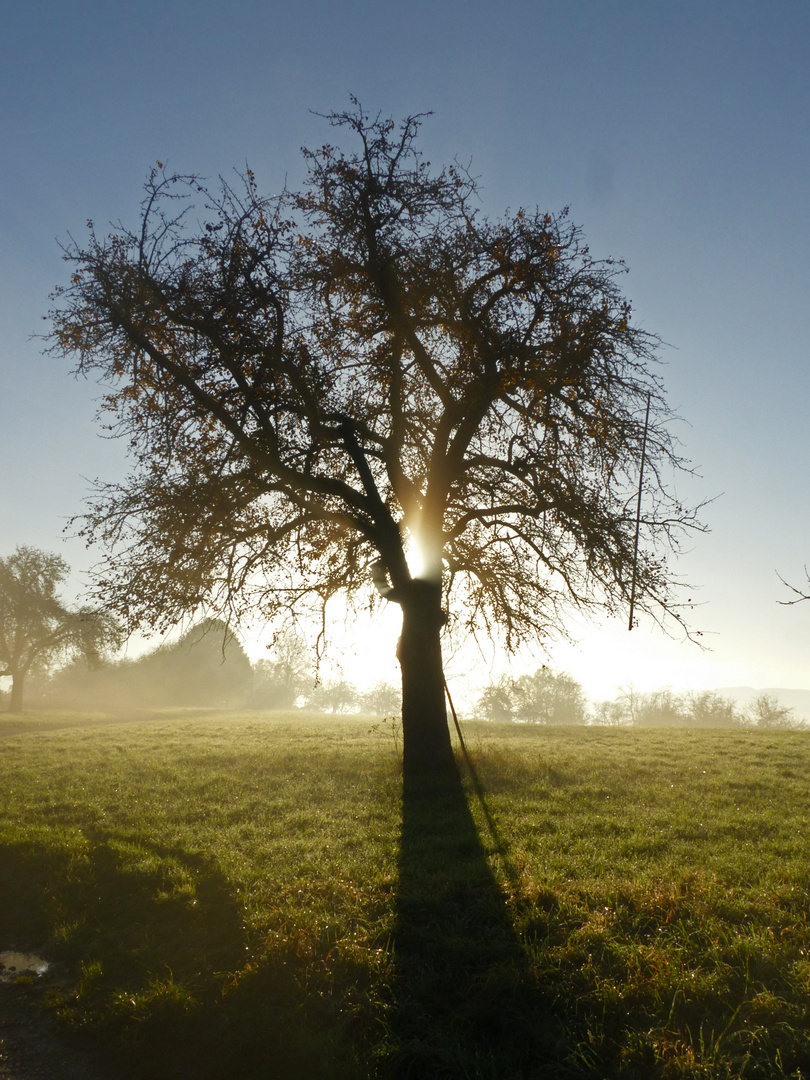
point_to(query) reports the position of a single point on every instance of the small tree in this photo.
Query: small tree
(368, 376)
(549, 697)
(546, 697)
(334, 695)
(497, 700)
(611, 713)
(630, 702)
(36, 628)
(766, 712)
(280, 680)
(382, 699)
(710, 709)
(660, 708)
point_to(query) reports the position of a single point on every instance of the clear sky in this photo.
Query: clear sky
(678, 133)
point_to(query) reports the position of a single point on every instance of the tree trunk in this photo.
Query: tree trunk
(15, 705)
(425, 734)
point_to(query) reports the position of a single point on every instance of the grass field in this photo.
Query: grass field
(259, 896)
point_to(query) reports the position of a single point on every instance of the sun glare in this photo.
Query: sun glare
(417, 557)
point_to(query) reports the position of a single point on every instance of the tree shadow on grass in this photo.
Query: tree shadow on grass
(467, 1003)
(152, 966)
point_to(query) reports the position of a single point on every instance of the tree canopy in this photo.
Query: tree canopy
(369, 376)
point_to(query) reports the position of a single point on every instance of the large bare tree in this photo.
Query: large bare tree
(368, 377)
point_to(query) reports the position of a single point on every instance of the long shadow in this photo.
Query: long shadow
(155, 965)
(155, 985)
(467, 1002)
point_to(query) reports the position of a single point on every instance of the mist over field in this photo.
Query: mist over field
(208, 667)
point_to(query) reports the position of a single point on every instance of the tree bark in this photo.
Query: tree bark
(15, 705)
(425, 734)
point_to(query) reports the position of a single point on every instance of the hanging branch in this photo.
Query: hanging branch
(638, 511)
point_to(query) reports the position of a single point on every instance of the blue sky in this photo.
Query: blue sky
(677, 132)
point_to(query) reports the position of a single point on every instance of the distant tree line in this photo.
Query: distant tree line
(702, 709)
(64, 656)
(287, 680)
(547, 697)
(207, 667)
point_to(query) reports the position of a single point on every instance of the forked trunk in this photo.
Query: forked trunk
(425, 734)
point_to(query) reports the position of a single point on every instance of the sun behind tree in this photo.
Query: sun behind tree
(313, 384)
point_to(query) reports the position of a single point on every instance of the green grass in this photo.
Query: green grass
(257, 895)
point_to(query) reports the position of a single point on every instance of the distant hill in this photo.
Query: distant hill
(791, 699)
